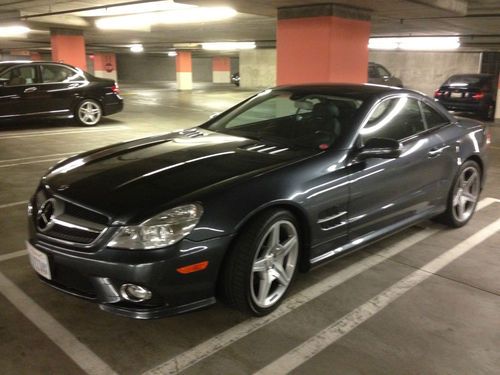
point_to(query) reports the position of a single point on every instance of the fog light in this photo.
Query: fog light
(135, 293)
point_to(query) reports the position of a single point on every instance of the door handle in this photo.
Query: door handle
(30, 89)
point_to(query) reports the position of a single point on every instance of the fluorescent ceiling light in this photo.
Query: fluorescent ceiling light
(228, 46)
(172, 53)
(155, 6)
(14, 30)
(136, 48)
(427, 43)
(383, 43)
(174, 17)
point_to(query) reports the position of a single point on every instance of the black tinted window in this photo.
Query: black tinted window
(396, 118)
(23, 75)
(432, 117)
(54, 74)
(469, 80)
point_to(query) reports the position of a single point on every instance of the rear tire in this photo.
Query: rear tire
(88, 112)
(463, 196)
(262, 263)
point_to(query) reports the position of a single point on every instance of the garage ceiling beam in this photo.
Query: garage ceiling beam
(454, 6)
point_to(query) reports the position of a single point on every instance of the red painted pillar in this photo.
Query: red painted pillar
(221, 69)
(68, 46)
(35, 56)
(322, 43)
(105, 65)
(184, 69)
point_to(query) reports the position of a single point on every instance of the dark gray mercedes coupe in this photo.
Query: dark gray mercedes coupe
(288, 179)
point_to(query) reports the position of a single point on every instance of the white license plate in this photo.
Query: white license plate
(456, 95)
(39, 261)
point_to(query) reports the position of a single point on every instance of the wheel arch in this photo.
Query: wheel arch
(303, 229)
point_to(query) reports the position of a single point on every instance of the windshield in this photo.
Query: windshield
(292, 119)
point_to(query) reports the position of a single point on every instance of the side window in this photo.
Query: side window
(396, 118)
(383, 72)
(432, 117)
(372, 72)
(23, 75)
(55, 74)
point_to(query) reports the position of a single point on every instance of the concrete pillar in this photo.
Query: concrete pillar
(105, 65)
(184, 69)
(322, 43)
(221, 69)
(68, 46)
(497, 109)
(257, 68)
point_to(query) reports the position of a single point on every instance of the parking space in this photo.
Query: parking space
(425, 300)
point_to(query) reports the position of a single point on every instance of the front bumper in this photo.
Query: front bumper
(97, 276)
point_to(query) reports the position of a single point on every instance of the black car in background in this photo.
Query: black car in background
(469, 93)
(288, 179)
(46, 89)
(378, 74)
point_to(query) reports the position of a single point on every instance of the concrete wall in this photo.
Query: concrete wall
(258, 68)
(425, 71)
(143, 68)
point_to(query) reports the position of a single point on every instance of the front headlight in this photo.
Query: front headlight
(164, 229)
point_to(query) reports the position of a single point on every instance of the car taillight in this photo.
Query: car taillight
(115, 88)
(437, 93)
(478, 95)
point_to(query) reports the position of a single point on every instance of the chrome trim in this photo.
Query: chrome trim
(71, 243)
(36, 113)
(74, 226)
(321, 221)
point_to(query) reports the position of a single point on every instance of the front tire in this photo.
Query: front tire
(88, 112)
(463, 196)
(262, 263)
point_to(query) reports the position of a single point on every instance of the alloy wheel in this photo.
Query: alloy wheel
(89, 112)
(274, 263)
(466, 193)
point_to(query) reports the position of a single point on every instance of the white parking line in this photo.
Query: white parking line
(12, 255)
(343, 326)
(41, 134)
(211, 346)
(39, 157)
(29, 162)
(13, 204)
(86, 359)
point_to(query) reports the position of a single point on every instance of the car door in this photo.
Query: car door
(19, 93)
(389, 193)
(60, 87)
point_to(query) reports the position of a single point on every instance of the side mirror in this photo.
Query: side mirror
(384, 148)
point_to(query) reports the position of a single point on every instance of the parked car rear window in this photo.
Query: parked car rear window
(432, 117)
(54, 74)
(469, 80)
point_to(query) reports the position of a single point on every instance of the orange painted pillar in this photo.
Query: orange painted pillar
(322, 43)
(221, 69)
(68, 46)
(184, 69)
(35, 56)
(105, 65)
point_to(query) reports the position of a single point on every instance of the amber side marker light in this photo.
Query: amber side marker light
(193, 267)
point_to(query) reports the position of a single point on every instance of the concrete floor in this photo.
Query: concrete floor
(446, 323)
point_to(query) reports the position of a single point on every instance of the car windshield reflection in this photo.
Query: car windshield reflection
(291, 119)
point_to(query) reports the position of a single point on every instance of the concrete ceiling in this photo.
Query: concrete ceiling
(476, 21)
